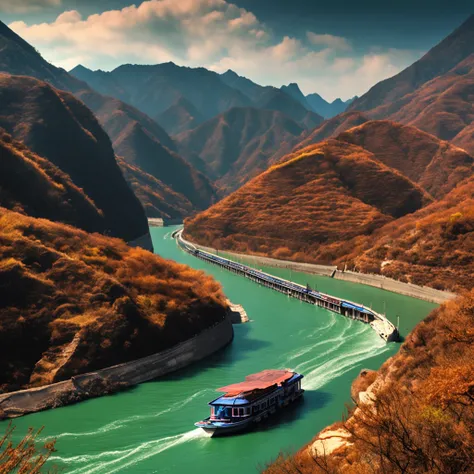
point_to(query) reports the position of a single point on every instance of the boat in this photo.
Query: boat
(249, 402)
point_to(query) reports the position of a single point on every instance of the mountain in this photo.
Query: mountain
(238, 144)
(74, 302)
(113, 114)
(150, 153)
(58, 127)
(438, 61)
(293, 90)
(153, 89)
(17, 57)
(327, 109)
(244, 85)
(142, 150)
(309, 206)
(179, 117)
(332, 127)
(436, 165)
(434, 94)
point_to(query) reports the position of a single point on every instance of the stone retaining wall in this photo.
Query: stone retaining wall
(117, 377)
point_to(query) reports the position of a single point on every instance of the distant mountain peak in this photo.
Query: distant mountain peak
(80, 68)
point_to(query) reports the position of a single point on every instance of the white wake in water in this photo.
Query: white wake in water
(322, 374)
(132, 456)
(115, 425)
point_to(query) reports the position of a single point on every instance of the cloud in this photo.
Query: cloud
(22, 6)
(212, 33)
(329, 41)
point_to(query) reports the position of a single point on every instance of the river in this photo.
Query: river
(149, 429)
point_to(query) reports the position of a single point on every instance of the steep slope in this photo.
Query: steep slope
(58, 127)
(435, 94)
(141, 149)
(157, 199)
(181, 116)
(439, 60)
(153, 89)
(309, 205)
(91, 297)
(416, 415)
(433, 247)
(246, 86)
(436, 165)
(325, 108)
(153, 164)
(237, 145)
(33, 185)
(332, 127)
(19, 58)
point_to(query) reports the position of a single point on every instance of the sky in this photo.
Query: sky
(338, 49)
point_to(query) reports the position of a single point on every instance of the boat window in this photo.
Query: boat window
(223, 412)
(247, 411)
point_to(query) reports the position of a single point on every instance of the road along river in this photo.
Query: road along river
(149, 429)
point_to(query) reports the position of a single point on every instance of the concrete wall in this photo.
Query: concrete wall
(118, 377)
(378, 281)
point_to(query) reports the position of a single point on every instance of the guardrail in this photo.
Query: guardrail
(379, 322)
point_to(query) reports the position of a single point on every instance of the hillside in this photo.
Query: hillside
(435, 94)
(150, 151)
(237, 145)
(179, 117)
(438, 61)
(415, 415)
(309, 205)
(19, 58)
(140, 148)
(32, 185)
(76, 302)
(433, 247)
(436, 165)
(59, 128)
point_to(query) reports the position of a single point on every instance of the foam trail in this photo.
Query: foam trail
(340, 341)
(332, 322)
(141, 452)
(115, 425)
(340, 365)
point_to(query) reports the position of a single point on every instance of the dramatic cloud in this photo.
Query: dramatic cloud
(214, 34)
(22, 6)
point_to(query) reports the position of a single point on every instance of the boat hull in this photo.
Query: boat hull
(217, 429)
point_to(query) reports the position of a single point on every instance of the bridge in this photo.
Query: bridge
(378, 322)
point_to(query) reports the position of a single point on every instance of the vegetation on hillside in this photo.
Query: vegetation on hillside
(418, 416)
(321, 197)
(76, 302)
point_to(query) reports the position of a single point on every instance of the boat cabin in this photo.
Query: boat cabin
(258, 394)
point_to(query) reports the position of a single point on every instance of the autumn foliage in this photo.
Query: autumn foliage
(76, 302)
(420, 416)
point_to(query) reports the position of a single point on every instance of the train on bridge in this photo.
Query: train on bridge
(379, 322)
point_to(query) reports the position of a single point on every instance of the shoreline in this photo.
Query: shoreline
(378, 281)
(118, 377)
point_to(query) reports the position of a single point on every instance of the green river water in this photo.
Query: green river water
(149, 429)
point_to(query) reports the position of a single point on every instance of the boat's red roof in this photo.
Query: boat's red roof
(260, 381)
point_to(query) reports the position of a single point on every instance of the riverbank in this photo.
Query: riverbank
(118, 377)
(378, 281)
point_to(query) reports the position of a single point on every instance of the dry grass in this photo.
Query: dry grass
(58, 283)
